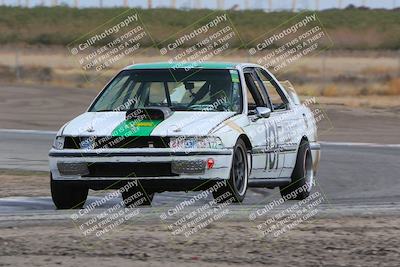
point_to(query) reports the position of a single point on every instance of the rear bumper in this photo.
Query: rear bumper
(128, 164)
(316, 155)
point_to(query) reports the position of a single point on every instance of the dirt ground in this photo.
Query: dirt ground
(322, 241)
(325, 240)
(24, 183)
(343, 241)
(48, 108)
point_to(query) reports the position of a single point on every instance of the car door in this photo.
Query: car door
(284, 120)
(261, 131)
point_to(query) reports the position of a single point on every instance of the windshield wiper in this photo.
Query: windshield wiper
(104, 110)
(199, 107)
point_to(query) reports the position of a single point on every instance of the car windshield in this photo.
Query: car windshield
(179, 89)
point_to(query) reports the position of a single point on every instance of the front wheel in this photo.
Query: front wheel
(67, 195)
(236, 187)
(302, 177)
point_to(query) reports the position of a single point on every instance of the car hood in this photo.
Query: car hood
(114, 124)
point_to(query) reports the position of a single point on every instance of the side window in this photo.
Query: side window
(254, 97)
(278, 99)
(156, 94)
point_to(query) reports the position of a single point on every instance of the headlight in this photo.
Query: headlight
(195, 142)
(58, 142)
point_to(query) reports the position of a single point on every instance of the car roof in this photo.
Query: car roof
(168, 65)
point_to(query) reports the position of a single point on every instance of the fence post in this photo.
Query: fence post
(293, 5)
(398, 57)
(220, 4)
(17, 67)
(270, 5)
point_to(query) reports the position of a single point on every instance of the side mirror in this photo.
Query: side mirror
(263, 112)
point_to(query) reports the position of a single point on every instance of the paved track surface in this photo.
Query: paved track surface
(352, 177)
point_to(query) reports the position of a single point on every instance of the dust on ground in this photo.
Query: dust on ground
(24, 183)
(343, 241)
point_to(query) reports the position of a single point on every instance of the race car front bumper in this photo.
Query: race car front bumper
(147, 164)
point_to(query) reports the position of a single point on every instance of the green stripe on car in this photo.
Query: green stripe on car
(135, 128)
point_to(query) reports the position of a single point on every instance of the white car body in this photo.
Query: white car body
(272, 142)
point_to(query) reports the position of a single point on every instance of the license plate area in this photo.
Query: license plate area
(73, 168)
(188, 166)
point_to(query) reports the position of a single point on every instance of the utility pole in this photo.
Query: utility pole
(173, 4)
(126, 3)
(399, 62)
(197, 4)
(149, 4)
(220, 4)
(246, 4)
(17, 67)
(293, 5)
(317, 5)
(270, 5)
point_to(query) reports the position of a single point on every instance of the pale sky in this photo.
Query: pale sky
(252, 4)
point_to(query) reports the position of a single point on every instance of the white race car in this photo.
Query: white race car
(220, 127)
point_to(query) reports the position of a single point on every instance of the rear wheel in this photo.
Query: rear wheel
(302, 176)
(67, 195)
(236, 186)
(135, 196)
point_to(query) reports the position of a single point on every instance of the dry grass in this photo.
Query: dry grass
(377, 70)
(343, 89)
(330, 91)
(379, 102)
(348, 77)
(393, 87)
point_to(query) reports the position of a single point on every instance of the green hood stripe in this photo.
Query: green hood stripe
(135, 128)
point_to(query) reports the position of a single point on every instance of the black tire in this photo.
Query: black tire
(67, 195)
(132, 198)
(302, 175)
(236, 186)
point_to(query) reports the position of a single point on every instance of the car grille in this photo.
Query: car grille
(128, 169)
(115, 142)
